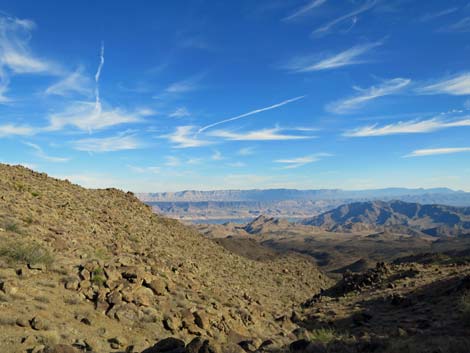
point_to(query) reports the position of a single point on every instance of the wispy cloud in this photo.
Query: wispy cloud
(15, 54)
(458, 86)
(345, 58)
(172, 161)
(274, 134)
(75, 82)
(386, 88)
(437, 151)
(369, 4)
(120, 142)
(85, 116)
(253, 112)
(236, 164)
(312, 4)
(41, 154)
(16, 130)
(184, 86)
(434, 15)
(460, 26)
(217, 156)
(245, 151)
(144, 170)
(408, 127)
(184, 137)
(181, 112)
(301, 161)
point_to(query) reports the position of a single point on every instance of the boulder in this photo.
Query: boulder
(201, 319)
(167, 345)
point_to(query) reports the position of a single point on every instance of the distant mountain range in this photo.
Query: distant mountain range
(294, 194)
(435, 220)
(285, 203)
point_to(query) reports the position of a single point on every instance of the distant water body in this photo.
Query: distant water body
(232, 220)
(220, 220)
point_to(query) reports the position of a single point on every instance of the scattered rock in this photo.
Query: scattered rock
(201, 319)
(60, 348)
(39, 323)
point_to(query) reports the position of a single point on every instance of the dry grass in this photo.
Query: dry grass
(19, 251)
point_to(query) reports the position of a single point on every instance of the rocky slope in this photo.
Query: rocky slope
(435, 220)
(97, 270)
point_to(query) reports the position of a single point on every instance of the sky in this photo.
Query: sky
(152, 96)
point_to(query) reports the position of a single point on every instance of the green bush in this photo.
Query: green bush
(323, 335)
(12, 227)
(25, 252)
(98, 277)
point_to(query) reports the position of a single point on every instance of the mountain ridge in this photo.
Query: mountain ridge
(436, 220)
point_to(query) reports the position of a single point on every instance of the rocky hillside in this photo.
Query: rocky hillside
(435, 220)
(97, 270)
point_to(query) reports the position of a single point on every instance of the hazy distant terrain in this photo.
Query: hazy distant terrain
(284, 203)
(361, 231)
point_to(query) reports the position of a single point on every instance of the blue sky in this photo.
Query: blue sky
(173, 95)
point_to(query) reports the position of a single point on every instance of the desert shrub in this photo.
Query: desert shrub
(25, 252)
(98, 276)
(12, 227)
(35, 193)
(323, 335)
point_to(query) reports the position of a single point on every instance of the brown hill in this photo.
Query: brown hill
(435, 220)
(97, 269)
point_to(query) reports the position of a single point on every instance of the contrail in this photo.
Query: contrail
(97, 80)
(98, 72)
(251, 113)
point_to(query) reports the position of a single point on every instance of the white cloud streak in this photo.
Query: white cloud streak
(74, 82)
(461, 26)
(245, 151)
(41, 154)
(88, 117)
(301, 161)
(253, 112)
(327, 27)
(274, 134)
(144, 170)
(120, 142)
(184, 137)
(386, 88)
(408, 127)
(183, 86)
(8, 130)
(437, 151)
(181, 112)
(457, 86)
(304, 9)
(432, 16)
(344, 58)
